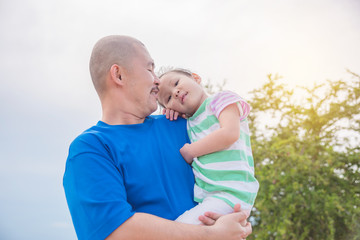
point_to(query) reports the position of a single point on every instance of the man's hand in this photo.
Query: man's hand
(186, 153)
(232, 222)
(211, 218)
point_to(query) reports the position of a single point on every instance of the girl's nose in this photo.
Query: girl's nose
(177, 93)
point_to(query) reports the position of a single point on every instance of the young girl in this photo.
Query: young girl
(220, 151)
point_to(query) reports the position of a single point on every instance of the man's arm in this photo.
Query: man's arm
(218, 140)
(145, 226)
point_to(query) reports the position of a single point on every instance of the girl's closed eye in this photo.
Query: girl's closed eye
(169, 99)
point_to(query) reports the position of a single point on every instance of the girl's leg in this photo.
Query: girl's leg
(209, 204)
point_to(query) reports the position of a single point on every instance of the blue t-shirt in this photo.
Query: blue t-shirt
(113, 171)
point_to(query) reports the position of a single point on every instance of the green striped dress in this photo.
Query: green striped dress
(229, 174)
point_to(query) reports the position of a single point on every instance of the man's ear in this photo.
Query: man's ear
(196, 77)
(115, 73)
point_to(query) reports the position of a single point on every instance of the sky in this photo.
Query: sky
(47, 98)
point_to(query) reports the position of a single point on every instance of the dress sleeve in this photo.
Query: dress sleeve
(94, 189)
(224, 99)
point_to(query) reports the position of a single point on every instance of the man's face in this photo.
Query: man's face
(142, 85)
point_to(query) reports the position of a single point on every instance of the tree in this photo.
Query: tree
(307, 156)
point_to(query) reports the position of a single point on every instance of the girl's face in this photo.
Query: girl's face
(181, 93)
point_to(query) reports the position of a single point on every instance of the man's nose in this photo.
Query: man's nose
(156, 80)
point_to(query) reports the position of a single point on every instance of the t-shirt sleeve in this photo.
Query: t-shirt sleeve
(224, 99)
(94, 189)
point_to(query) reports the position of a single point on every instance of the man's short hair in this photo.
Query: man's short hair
(114, 49)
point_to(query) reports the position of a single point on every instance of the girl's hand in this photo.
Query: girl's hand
(171, 114)
(186, 153)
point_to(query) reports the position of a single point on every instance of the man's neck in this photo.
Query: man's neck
(120, 118)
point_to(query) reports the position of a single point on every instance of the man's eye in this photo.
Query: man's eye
(169, 98)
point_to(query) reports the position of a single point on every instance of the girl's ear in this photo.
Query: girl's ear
(196, 77)
(115, 72)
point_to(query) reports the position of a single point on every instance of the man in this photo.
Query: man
(125, 177)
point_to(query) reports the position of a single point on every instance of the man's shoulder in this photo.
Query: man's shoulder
(163, 120)
(88, 132)
(87, 137)
(166, 127)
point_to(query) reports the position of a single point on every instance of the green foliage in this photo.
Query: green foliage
(307, 155)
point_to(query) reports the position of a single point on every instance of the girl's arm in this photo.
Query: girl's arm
(218, 140)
